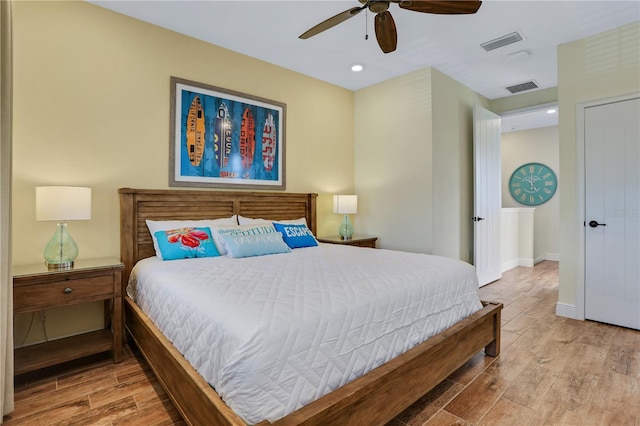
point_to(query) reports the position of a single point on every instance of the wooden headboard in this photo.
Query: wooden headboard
(138, 205)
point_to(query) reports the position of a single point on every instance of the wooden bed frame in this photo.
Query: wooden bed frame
(373, 399)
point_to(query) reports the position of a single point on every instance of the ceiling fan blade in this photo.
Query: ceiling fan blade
(331, 22)
(386, 32)
(455, 7)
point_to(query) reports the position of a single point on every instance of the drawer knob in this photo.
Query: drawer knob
(68, 290)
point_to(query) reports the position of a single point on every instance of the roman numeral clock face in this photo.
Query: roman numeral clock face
(533, 184)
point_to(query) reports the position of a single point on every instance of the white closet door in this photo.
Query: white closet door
(612, 212)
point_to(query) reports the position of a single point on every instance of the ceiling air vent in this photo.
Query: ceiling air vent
(517, 88)
(501, 41)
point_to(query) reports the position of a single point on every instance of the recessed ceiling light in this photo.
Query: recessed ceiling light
(357, 68)
(551, 111)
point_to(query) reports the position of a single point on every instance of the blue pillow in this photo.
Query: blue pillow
(255, 245)
(183, 243)
(296, 236)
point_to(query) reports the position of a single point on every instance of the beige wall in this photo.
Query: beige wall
(524, 100)
(541, 146)
(393, 151)
(413, 163)
(453, 166)
(91, 108)
(596, 67)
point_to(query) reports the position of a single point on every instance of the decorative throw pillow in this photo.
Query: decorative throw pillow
(296, 236)
(164, 225)
(219, 231)
(255, 244)
(183, 243)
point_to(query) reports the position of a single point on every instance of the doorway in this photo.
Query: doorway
(531, 135)
(525, 135)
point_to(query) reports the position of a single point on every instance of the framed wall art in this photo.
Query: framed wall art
(225, 139)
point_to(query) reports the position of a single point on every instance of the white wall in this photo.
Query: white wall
(540, 146)
(517, 237)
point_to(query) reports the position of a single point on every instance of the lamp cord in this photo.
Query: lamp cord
(33, 314)
(366, 24)
(43, 318)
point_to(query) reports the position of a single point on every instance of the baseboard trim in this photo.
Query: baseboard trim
(526, 262)
(566, 310)
(552, 256)
(510, 264)
(555, 257)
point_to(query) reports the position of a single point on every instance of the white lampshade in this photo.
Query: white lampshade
(62, 203)
(345, 204)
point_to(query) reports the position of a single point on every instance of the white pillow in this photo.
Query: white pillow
(255, 244)
(220, 230)
(166, 225)
(251, 221)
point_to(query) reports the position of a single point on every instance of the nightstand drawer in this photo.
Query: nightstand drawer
(36, 297)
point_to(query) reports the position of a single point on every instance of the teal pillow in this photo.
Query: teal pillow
(255, 245)
(296, 236)
(183, 243)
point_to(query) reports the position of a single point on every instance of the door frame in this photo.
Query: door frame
(581, 196)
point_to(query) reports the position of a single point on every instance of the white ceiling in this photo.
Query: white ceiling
(531, 118)
(269, 30)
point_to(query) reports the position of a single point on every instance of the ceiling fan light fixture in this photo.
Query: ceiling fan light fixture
(379, 6)
(357, 67)
(385, 27)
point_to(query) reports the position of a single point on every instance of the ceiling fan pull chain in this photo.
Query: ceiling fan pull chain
(366, 24)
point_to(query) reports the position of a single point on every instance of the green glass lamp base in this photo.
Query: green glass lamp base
(61, 250)
(345, 230)
(59, 266)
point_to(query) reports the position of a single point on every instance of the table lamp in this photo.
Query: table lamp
(346, 205)
(62, 203)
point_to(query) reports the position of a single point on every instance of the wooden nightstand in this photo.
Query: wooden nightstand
(35, 289)
(356, 240)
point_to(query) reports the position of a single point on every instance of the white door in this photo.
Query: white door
(487, 198)
(612, 213)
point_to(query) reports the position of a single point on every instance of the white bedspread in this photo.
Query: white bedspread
(273, 333)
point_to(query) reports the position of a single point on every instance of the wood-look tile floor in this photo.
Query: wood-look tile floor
(552, 371)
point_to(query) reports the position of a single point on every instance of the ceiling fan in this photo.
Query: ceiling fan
(385, 26)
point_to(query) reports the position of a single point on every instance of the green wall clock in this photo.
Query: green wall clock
(533, 184)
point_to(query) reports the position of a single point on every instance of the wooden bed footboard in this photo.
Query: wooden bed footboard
(373, 399)
(195, 399)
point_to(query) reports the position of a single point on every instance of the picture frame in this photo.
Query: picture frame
(225, 139)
